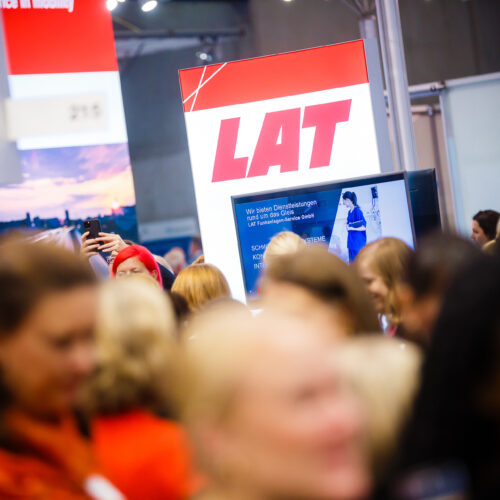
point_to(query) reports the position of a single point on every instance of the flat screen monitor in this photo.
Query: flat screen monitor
(322, 214)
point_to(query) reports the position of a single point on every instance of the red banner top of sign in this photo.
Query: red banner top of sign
(275, 76)
(58, 41)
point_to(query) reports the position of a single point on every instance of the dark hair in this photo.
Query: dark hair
(351, 195)
(488, 220)
(436, 260)
(330, 279)
(167, 277)
(451, 421)
(180, 305)
(29, 271)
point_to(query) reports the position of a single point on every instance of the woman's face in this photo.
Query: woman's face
(419, 315)
(374, 283)
(348, 203)
(45, 361)
(133, 266)
(295, 431)
(478, 235)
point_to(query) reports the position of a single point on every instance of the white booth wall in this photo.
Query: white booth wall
(471, 109)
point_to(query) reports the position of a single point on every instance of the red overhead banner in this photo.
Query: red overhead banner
(82, 40)
(293, 73)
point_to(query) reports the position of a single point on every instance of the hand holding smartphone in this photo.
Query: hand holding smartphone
(90, 246)
(93, 226)
(95, 241)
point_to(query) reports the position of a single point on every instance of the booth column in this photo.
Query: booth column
(391, 41)
(368, 25)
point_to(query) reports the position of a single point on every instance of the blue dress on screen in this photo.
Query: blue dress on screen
(356, 240)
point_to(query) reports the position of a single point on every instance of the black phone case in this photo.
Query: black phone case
(93, 227)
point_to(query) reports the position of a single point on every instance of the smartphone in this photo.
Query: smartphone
(93, 226)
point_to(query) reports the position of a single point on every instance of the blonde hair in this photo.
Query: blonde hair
(387, 257)
(219, 343)
(491, 246)
(199, 284)
(144, 278)
(135, 344)
(385, 375)
(283, 243)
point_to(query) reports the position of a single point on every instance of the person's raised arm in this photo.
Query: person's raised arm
(89, 247)
(111, 243)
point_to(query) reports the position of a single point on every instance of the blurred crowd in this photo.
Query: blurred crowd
(128, 375)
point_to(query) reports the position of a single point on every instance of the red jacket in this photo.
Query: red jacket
(55, 463)
(146, 457)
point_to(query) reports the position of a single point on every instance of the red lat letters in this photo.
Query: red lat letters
(226, 166)
(325, 118)
(279, 141)
(268, 152)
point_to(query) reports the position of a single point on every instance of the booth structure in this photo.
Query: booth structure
(281, 121)
(65, 114)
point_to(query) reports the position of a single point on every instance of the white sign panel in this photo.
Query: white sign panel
(56, 115)
(275, 122)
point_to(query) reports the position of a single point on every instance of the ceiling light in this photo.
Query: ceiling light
(148, 5)
(121, 1)
(206, 56)
(111, 4)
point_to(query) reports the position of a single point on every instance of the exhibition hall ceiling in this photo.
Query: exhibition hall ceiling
(176, 24)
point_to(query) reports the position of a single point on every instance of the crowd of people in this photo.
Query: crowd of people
(378, 379)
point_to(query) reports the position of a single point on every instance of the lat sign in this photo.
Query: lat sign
(280, 121)
(279, 141)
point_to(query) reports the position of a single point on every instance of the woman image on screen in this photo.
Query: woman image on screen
(356, 225)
